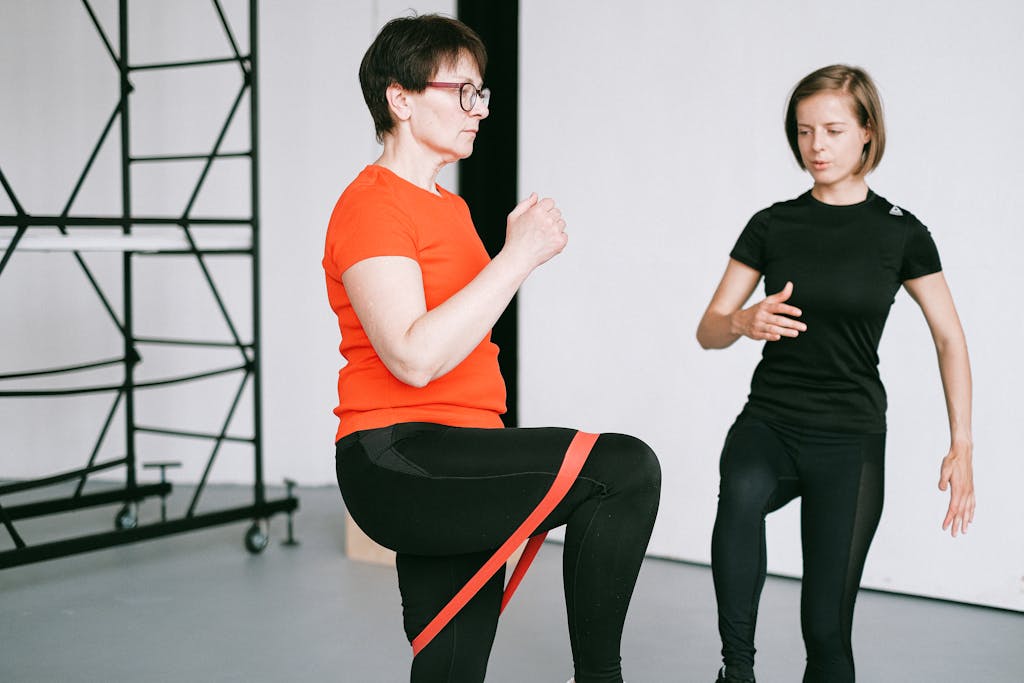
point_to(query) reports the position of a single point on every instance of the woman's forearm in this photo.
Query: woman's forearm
(443, 337)
(955, 370)
(418, 345)
(716, 330)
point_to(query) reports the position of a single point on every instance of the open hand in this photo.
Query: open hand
(770, 319)
(957, 474)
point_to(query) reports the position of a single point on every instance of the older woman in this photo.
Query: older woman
(814, 424)
(423, 461)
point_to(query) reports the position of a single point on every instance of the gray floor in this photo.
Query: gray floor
(197, 607)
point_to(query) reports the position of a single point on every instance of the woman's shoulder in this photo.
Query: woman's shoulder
(763, 217)
(893, 213)
(372, 195)
(373, 184)
(369, 201)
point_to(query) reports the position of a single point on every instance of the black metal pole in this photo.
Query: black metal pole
(487, 179)
(22, 227)
(257, 382)
(130, 357)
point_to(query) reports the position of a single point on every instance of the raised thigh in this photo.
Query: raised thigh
(428, 489)
(757, 471)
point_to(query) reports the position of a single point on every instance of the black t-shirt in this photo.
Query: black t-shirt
(846, 264)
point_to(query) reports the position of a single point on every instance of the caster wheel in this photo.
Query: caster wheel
(255, 539)
(126, 518)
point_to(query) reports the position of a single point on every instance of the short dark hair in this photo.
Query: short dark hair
(864, 98)
(408, 52)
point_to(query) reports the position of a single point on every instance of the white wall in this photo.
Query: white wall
(59, 85)
(659, 130)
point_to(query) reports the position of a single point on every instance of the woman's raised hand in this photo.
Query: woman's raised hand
(535, 230)
(770, 319)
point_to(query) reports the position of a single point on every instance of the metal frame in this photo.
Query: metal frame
(248, 365)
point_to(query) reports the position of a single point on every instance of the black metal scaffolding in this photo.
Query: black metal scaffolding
(128, 236)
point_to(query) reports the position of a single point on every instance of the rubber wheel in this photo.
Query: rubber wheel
(126, 518)
(255, 539)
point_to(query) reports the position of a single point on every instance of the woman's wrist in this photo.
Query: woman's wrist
(735, 328)
(513, 264)
(961, 441)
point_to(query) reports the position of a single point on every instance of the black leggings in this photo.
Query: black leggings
(445, 498)
(840, 480)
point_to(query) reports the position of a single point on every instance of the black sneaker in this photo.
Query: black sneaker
(728, 678)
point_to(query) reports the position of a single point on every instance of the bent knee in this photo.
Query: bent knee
(751, 489)
(636, 464)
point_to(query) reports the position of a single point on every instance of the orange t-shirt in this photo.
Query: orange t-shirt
(380, 214)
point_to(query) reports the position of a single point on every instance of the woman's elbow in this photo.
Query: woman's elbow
(407, 363)
(952, 344)
(705, 338)
(413, 374)
(715, 331)
(415, 378)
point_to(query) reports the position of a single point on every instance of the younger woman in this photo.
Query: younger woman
(814, 423)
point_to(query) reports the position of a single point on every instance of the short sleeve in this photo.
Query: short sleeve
(750, 247)
(365, 225)
(920, 255)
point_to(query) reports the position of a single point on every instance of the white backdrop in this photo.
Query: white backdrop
(658, 127)
(59, 86)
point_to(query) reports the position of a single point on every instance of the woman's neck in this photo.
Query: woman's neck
(410, 162)
(851, 191)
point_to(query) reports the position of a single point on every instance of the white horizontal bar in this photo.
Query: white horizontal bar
(144, 243)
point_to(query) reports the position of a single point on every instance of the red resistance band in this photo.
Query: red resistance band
(575, 456)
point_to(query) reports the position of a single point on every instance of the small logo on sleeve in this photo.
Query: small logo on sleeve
(895, 211)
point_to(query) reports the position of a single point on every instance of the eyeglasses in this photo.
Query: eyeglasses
(469, 94)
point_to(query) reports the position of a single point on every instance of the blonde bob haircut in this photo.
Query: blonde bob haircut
(864, 101)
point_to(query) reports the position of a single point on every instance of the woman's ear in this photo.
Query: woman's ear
(398, 101)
